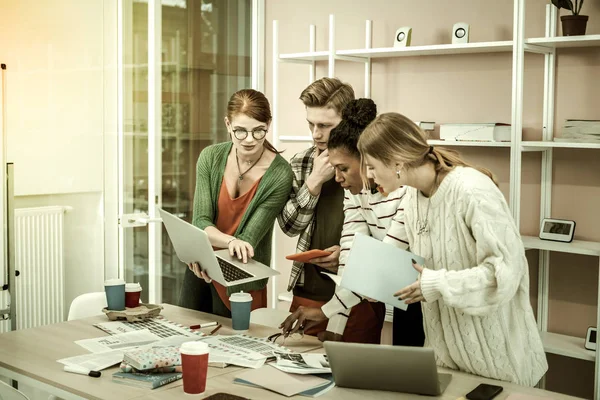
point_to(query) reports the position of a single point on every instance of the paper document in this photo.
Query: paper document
(121, 341)
(303, 364)
(243, 350)
(336, 278)
(378, 270)
(95, 361)
(160, 326)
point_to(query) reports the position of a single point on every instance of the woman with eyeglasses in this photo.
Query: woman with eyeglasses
(241, 187)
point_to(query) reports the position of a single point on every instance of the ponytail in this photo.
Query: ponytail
(392, 136)
(446, 159)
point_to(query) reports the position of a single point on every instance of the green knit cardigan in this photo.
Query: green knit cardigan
(256, 226)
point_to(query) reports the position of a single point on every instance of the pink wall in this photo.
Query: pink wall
(468, 88)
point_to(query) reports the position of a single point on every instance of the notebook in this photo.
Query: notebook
(281, 382)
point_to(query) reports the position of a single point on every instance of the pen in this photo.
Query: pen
(83, 371)
(216, 329)
(204, 325)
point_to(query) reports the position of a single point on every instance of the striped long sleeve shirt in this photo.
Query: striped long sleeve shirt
(371, 214)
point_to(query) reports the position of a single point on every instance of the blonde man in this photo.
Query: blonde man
(314, 210)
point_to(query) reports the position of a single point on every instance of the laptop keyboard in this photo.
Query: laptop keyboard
(232, 273)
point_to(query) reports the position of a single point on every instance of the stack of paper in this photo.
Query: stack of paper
(242, 350)
(286, 384)
(580, 131)
(303, 364)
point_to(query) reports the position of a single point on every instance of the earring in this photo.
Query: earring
(398, 173)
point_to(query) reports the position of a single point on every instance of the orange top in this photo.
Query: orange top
(230, 214)
(231, 210)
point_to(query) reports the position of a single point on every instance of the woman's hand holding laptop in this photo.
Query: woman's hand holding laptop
(195, 268)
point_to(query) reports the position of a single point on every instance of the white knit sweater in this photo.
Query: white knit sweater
(477, 314)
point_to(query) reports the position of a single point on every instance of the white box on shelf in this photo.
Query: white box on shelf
(490, 132)
(426, 125)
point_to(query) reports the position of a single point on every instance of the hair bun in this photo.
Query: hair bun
(360, 112)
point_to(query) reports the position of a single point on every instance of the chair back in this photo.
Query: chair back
(87, 305)
(8, 392)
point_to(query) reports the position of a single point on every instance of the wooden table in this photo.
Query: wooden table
(29, 356)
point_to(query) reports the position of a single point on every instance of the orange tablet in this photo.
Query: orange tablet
(306, 256)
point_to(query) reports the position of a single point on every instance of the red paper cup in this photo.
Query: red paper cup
(194, 363)
(132, 295)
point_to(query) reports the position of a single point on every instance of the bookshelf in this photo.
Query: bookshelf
(432, 50)
(549, 47)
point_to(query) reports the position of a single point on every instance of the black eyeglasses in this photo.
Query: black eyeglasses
(241, 134)
(280, 338)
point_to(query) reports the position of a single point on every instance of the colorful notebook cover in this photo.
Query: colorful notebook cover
(145, 380)
(157, 360)
(152, 358)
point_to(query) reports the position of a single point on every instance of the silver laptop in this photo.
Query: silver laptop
(192, 245)
(382, 367)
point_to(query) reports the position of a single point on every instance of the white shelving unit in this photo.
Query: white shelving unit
(465, 143)
(547, 46)
(434, 50)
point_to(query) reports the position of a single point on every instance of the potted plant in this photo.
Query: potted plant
(572, 24)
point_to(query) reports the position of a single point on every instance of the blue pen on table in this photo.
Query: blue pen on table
(82, 371)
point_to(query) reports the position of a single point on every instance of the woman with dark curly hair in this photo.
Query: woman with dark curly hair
(367, 210)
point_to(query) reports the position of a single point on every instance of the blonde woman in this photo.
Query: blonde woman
(474, 286)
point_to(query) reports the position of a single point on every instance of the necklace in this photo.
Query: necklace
(240, 173)
(423, 225)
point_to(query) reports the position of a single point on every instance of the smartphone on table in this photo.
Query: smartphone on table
(484, 392)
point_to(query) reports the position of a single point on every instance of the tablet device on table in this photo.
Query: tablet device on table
(306, 256)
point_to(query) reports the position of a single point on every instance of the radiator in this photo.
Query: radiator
(39, 257)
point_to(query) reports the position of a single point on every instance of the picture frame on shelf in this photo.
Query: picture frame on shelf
(558, 230)
(590, 339)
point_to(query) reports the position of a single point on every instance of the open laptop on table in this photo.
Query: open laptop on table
(382, 367)
(192, 245)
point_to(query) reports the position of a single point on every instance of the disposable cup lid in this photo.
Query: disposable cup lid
(133, 287)
(240, 297)
(194, 348)
(114, 282)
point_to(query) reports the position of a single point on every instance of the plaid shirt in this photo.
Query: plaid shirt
(297, 217)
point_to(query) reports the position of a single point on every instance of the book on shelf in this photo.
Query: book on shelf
(486, 132)
(580, 131)
(582, 123)
(146, 380)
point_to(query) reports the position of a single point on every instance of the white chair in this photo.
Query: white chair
(268, 317)
(87, 305)
(8, 392)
